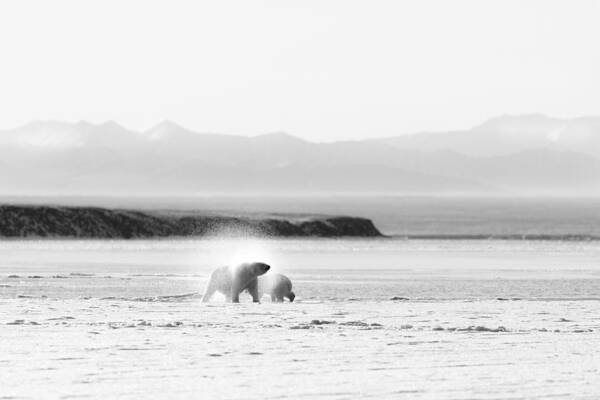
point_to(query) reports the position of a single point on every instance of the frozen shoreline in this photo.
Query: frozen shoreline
(473, 319)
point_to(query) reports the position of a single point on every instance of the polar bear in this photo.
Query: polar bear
(277, 286)
(231, 281)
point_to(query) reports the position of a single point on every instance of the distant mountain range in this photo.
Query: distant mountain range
(511, 134)
(529, 154)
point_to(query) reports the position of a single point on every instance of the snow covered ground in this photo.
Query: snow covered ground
(373, 319)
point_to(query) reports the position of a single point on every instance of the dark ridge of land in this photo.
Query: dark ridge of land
(101, 223)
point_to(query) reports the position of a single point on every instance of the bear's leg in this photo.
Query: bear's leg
(236, 289)
(209, 291)
(253, 290)
(276, 297)
(235, 295)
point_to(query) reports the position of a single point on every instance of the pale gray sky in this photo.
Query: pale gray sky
(322, 70)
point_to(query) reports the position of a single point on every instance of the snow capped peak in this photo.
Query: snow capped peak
(63, 135)
(163, 129)
(51, 134)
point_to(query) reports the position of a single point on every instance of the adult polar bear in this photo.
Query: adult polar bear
(231, 281)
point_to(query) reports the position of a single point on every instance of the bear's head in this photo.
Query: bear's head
(259, 268)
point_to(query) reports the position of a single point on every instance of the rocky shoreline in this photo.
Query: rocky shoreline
(18, 221)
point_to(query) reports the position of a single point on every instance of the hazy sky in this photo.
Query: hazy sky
(322, 70)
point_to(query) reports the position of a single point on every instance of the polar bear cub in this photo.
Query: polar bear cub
(277, 286)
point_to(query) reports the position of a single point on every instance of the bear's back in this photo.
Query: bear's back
(271, 281)
(222, 277)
